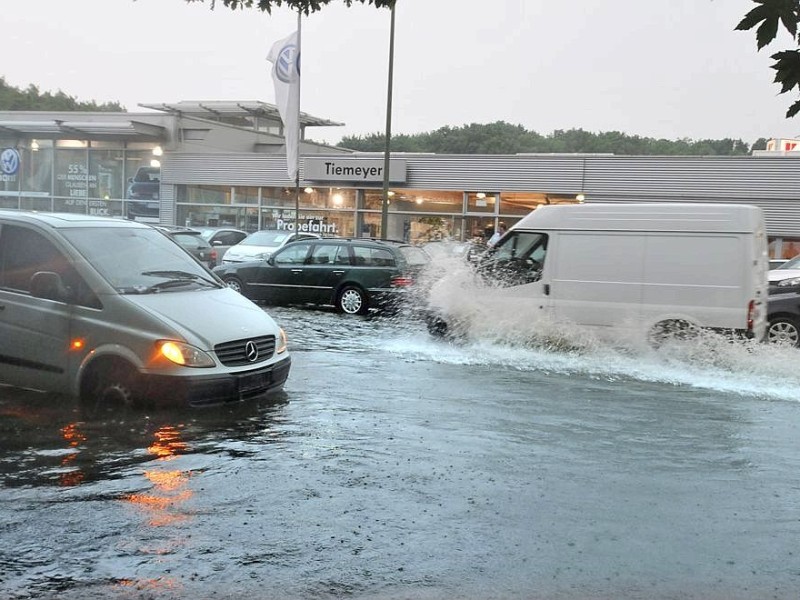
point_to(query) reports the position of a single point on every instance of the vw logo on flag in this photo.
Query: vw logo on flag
(9, 161)
(287, 67)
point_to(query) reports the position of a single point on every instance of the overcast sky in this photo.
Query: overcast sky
(669, 69)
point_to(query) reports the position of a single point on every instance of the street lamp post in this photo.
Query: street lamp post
(385, 204)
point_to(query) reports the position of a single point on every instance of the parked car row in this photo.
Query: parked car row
(352, 274)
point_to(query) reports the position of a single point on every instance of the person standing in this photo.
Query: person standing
(501, 230)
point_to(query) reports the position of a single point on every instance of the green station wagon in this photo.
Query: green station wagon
(354, 275)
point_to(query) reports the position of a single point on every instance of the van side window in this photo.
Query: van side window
(24, 252)
(518, 259)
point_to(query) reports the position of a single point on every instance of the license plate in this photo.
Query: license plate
(252, 382)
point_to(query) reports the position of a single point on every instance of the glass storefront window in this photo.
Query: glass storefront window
(36, 168)
(482, 202)
(279, 197)
(242, 218)
(415, 201)
(785, 248)
(325, 223)
(328, 197)
(105, 170)
(72, 181)
(521, 203)
(36, 203)
(134, 159)
(205, 194)
(245, 195)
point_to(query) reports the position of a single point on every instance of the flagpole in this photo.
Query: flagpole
(297, 157)
(385, 205)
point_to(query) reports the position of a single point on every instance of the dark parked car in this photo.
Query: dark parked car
(783, 316)
(222, 238)
(193, 242)
(353, 275)
(143, 194)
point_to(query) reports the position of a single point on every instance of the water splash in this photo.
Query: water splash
(522, 340)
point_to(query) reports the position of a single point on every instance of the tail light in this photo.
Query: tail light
(751, 315)
(402, 281)
(213, 256)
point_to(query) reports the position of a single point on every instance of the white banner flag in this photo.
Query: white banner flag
(285, 59)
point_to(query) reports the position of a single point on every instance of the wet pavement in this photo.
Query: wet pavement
(399, 466)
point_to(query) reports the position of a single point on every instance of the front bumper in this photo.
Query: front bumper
(212, 390)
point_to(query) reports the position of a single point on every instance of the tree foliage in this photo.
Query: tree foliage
(503, 138)
(768, 17)
(14, 98)
(305, 6)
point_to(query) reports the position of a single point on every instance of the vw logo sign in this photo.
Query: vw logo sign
(287, 67)
(251, 351)
(9, 161)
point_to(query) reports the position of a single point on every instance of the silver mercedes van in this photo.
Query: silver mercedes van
(113, 311)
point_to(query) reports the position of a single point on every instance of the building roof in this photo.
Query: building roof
(225, 109)
(86, 129)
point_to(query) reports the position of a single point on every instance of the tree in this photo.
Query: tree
(14, 98)
(305, 6)
(768, 17)
(504, 138)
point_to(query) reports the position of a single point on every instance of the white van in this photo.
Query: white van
(116, 312)
(620, 269)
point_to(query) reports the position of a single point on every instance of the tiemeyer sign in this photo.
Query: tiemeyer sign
(362, 170)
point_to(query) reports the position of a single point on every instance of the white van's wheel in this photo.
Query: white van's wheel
(437, 326)
(677, 329)
(784, 331)
(352, 301)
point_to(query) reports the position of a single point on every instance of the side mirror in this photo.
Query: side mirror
(48, 285)
(270, 260)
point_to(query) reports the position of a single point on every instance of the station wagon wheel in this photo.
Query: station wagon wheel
(784, 331)
(235, 284)
(352, 301)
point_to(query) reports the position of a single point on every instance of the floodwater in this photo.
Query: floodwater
(399, 466)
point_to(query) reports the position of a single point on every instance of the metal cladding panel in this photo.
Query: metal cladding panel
(495, 173)
(781, 215)
(226, 169)
(166, 204)
(730, 178)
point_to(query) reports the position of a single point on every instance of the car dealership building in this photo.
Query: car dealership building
(223, 163)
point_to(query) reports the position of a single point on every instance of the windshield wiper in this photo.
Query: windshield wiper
(181, 276)
(176, 279)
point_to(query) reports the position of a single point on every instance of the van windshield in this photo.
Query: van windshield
(517, 259)
(134, 259)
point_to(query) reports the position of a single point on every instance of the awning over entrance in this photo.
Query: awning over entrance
(222, 109)
(85, 130)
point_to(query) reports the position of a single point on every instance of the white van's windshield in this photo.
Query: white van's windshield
(137, 260)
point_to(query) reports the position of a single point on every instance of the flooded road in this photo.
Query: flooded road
(399, 466)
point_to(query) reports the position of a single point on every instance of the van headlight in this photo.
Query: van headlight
(283, 342)
(794, 281)
(184, 354)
